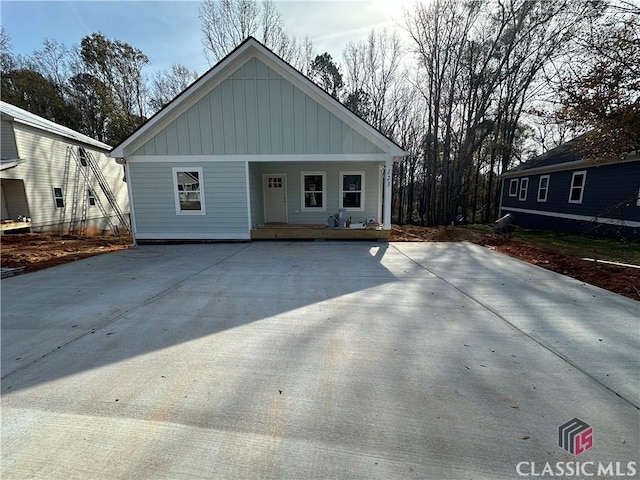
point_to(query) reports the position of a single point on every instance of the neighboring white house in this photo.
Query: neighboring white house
(56, 179)
(253, 142)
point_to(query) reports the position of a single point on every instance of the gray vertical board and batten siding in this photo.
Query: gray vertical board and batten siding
(45, 160)
(256, 111)
(224, 185)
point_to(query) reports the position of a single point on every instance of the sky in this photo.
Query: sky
(168, 32)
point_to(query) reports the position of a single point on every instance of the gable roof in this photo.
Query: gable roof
(16, 114)
(563, 157)
(564, 153)
(224, 69)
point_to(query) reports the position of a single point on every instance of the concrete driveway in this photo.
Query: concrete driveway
(313, 360)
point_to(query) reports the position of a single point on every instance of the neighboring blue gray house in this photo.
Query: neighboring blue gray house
(253, 142)
(560, 191)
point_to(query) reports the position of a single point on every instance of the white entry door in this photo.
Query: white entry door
(275, 198)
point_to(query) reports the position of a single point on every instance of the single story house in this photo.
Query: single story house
(254, 142)
(56, 179)
(560, 191)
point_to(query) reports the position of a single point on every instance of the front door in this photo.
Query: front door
(275, 198)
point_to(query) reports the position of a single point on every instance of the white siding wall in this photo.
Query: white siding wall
(256, 111)
(294, 189)
(225, 198)
(44, 168)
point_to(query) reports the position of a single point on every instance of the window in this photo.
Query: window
(352, 190)
(58, 197)
(578, 180)
(313, 191)
(543, 188)
(82, 156)
(638, 200)
(91, 196)
(187, 184)
(524, 186)
(513, 187)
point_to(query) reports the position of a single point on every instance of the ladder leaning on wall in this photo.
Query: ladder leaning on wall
(85, 162)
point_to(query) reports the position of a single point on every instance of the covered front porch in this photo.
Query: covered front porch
(287, 231)
(321, 199)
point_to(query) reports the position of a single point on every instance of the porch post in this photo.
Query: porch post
(388, 174)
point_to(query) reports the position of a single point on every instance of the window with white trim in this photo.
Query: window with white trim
(524, 186)
(352, 190)
(578, 180)
(91, 197)
(314, 191)
(188, 188)
(513, 187)
(543, 188)
(58, 197)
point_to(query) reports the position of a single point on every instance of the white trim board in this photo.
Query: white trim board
(355, 157)
(248, 192)
(560, 167)
(570, 216)
(193, 236)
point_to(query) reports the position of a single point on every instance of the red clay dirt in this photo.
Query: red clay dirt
(38, 251)
(35, 251)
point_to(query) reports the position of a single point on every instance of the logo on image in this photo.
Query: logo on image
(575, 436)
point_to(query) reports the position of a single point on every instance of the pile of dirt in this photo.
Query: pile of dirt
(619, 279)
(35, 251)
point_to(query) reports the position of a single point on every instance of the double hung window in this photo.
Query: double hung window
(58, 197)
(188, 190)
(524, 187)
(543, 188)
(578, 180)
(352, 190)
(313, 191)
(513, 187)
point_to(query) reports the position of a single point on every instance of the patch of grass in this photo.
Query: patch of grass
(577, 245)
(480, 228)
(583, 245)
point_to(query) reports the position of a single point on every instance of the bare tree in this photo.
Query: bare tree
(166, 85)
(372, 76)
(54, 62)
(7, 62)
(480, 63)
(227, 23)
